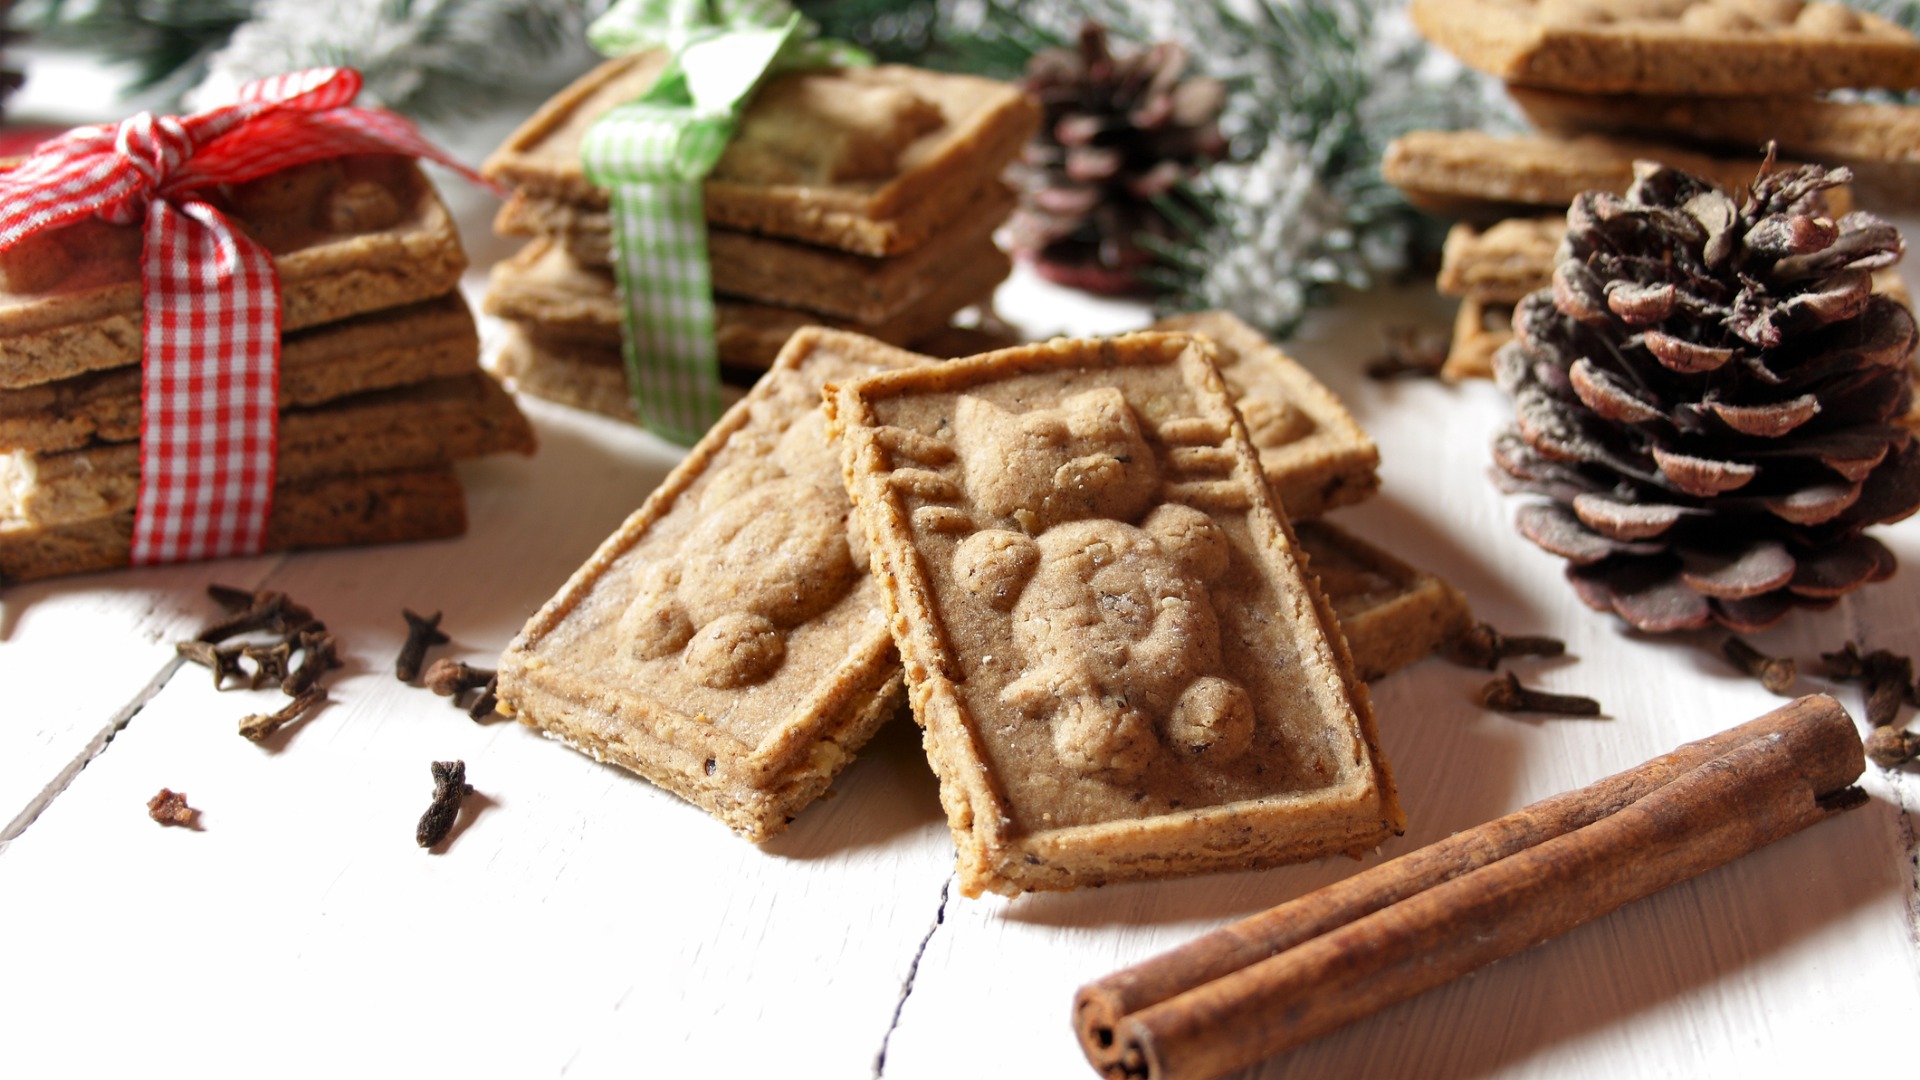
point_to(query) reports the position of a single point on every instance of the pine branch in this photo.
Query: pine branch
(164, 42)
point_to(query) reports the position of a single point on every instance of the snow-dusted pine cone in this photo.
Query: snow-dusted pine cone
(1709, 397)
(1119, 132)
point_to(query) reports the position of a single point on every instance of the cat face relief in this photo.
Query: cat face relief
(1084, 459)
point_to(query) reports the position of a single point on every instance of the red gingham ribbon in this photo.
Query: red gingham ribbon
(210, 325)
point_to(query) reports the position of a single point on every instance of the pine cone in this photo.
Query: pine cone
(1707, 396)
(1119, 131)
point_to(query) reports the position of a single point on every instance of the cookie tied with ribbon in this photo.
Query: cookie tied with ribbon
(652, 155)
(210, 297)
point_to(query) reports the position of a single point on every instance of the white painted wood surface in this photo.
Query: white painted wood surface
(584, 923)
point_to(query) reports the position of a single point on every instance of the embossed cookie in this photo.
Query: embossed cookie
(1505, 262)
(407, 428)
(396, 347)
(874, 161)
(727, 642)
(348, 235)
(542, 286)
(1833, 132)
(583, 374)
(1706, 47)
(318, 512)
(1480, 328)
(1316, 456)
(784, 273)
(1484, 176)
(1120, 664)
(1392, 614)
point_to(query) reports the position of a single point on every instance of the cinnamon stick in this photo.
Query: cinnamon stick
(1241, 994)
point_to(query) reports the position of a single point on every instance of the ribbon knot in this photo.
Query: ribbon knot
(153, 146)
(210, 298)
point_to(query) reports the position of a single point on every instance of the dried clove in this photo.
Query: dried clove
(451, 678)
(170, 808)
(420, 634)
(449, 788)
(1889, 747)
(487, 700)
(1410, 353)
(260, 725)
(318, 656)
(269, 663)
(222, 660)
(454, 678)
(230, 598)
(1774, 673)
(1887, 675)
(267, 609)
(1481, 646)
(1508, 695)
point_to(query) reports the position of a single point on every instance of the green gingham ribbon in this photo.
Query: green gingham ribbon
(652, 155)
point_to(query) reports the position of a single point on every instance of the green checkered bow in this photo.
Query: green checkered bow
(653, 153)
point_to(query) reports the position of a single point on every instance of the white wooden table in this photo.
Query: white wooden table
(583, 922)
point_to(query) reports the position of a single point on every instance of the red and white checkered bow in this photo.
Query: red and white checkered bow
(210, 328)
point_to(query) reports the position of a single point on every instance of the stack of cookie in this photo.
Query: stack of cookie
(744, 684)
(380, 388)
(864, 199)
(1607, 82)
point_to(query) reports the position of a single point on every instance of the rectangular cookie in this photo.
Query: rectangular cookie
(727, 643)
(1122, 668)
(1831, 132)
(405, 428)
(1480, 327)
(542, 285)
(1709, 47)
(784, 273)
(432, 340)
(583, 374)
(1503, 262)
(592, 376)
(348, 235)
(1391, 613)
(851, 178)
(1315, 455)
(1478, 175)
(317, 512)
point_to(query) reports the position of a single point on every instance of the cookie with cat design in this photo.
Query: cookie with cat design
(1121, 665)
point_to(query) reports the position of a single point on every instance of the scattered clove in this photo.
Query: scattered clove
(486, 702)
(1481, 646)
(1888, 677)
(1774, 673)
(260, 725)
(170, 808)
(1508, 695)
(454, 678)
(1889, 747)
(222, 660)
(449, 788)
(1410, 353)
(231, 598)
(421, 633)
(451, 678)
(269, 663)
(267, 609)
(318, 655)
